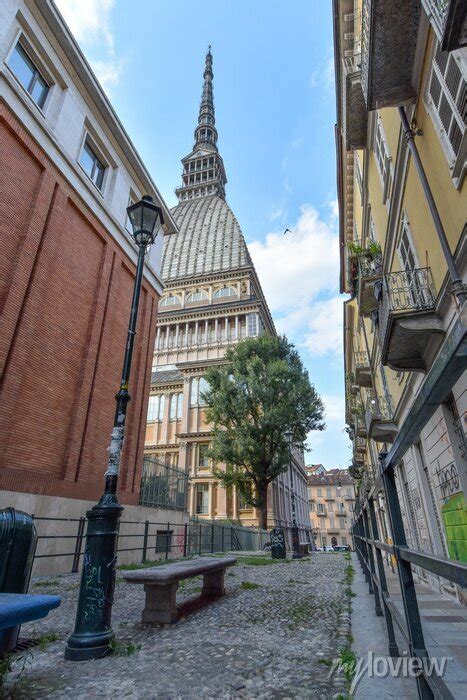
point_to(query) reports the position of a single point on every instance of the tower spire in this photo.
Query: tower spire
(203, 169)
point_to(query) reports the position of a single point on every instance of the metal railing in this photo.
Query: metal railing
(370, 265)
(361, 359)
(377, 408)
(370, 548)
(365, 39)
(163, 486)
(404, 292)
(437, 11)
(154, 540)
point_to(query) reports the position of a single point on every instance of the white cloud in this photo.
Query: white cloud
(334, 408)
(325, 327)
(89, 21)
(313, 79)
(275, 214)
(296, 267)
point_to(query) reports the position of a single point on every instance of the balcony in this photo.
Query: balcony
(355, 111)
(389, 40)
(409, 329)
(379, 418)
(449, 20)
(359, 421)
(362, 368)
(322, 513)
(370, 270)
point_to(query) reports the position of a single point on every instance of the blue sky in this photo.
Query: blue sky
(275, 113)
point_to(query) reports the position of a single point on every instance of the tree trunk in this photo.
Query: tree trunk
(263, 510)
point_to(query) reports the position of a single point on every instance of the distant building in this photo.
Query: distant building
(213, 299)
(331, 497)
(315, 469)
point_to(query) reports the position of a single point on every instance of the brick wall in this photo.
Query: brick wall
(65, 294)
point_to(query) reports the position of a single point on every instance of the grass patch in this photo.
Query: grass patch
(348, 663)
(122, 649)
(149, 564)
(299, 613)
(325, 662)
(249, 586)
(45, 639)
(230, 573)
(46, 583)
(258, 561)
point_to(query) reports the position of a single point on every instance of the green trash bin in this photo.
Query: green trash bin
(18, 539)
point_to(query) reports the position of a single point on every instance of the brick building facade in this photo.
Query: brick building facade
(67, 270)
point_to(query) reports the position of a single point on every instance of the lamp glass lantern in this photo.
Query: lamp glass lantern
(145, 218)
(289, 437)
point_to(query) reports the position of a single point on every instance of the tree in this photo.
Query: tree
(260, 392)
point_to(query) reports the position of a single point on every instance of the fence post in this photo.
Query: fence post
(222, 537)
(404, 569)
(199, 543)
(371, 563)
(393, 649)
(79, 539)
(185, 538)
(212, 538)
(167, 541)
(145, 541)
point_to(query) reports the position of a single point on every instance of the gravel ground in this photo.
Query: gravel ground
(273, 640)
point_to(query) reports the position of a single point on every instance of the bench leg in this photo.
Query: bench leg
(161, 604)
(213, 583)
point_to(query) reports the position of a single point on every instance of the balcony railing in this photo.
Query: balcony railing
(379, 418)
(406, 318)
(449, 20)
(362, 368)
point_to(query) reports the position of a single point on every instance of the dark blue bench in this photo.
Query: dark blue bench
(17, 608)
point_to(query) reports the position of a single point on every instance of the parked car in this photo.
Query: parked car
(326, 548)
(342, 548)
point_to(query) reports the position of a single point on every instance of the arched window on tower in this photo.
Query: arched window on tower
(170, 300)
(225, 292)
(198, 295)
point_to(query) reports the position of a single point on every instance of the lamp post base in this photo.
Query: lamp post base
(93, 634)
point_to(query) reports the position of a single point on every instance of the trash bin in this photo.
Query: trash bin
(18, 539)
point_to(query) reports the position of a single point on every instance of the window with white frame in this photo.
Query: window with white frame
(406, 248)
(92, 164)
(383, 159)
(203, 456)
(176, 402)
(225, 292)
(252, 324)
(198, 386)
(156, 408)
(28, 75)
(358, 174)
(447, 93)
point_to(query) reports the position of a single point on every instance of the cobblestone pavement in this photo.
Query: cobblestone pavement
(271, 641)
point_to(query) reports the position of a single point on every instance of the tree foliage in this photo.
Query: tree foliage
(260, 392)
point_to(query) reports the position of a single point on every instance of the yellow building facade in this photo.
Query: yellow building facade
(331, 495)
(401, 72)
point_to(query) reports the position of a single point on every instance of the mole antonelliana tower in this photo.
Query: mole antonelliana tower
(212, 299)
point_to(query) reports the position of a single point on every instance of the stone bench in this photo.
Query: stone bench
(161, 583)
(17, 608)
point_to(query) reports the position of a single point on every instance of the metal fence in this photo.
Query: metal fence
(163, 486)
(147, 540)
(370, 547)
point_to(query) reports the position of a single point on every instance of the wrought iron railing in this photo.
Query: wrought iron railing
(370, 266)
(365, 39)
(377, 408)
(163, 486)
(437, 11)
(361, 359)
(403, 292)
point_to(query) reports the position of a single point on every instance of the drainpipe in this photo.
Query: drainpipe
(457, 287)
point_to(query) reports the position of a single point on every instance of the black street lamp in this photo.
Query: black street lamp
(295, 540)
(93, 633)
